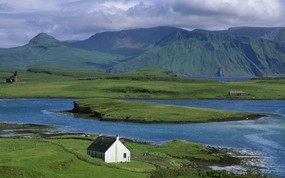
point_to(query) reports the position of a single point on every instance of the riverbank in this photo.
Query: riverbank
(105, 109)
(25, 130)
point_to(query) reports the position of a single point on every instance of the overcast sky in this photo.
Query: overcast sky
(20, 20)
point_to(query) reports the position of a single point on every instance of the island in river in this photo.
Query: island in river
(106, 109)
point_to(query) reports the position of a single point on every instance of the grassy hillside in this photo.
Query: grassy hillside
(202, 53)
(44, 50)
(80, 74)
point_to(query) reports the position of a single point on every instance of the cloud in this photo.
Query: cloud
(258, 9)
(79, 19)
(225, 13)
(5, 7)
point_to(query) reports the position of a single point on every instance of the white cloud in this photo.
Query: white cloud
(272, 8)
(30, 5)
(232, 12)
(78, 19)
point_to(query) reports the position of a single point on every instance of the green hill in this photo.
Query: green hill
(125, 42)
(44, 50)
(202, 53)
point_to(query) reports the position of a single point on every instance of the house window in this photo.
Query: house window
(125, 155)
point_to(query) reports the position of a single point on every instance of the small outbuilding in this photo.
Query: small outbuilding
(14, 78)
(110, 149)
(236, 93)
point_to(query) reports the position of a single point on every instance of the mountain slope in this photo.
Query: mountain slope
(125, 42)
(270, 33)
(201, 53)
(44, 50)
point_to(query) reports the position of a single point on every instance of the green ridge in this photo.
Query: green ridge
(44, 50)
(201, 53)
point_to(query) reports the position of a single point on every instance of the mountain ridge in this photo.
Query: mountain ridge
(211, 54)
(237, 51)
(270, 33)
(125, 42)
(45, 50)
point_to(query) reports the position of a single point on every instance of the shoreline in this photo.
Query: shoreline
(15, 130)
(88, 115)
(249, 160)
(7, 125)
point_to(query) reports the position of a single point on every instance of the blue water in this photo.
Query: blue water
(264, 136)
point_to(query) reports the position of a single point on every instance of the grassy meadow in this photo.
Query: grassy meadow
(40, 158)
(65, 156)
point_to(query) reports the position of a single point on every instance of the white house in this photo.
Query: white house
(110, 149)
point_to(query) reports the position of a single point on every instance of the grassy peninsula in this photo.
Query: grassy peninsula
(120, 110)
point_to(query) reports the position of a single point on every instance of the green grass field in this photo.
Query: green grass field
(59, 83)
(65, 156)
(38, 158)
(146, 157)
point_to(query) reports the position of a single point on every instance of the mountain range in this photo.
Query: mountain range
(238, 51)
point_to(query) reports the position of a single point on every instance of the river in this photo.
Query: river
(264, 136)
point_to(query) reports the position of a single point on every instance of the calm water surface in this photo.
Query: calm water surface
(264, 136)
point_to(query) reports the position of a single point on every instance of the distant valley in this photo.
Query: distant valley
(239, 51)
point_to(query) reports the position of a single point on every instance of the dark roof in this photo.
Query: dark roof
(102, 144)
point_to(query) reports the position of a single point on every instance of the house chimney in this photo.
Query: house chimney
(100, 134)
(117, 137)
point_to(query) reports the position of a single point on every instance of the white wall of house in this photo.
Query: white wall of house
(117, 153)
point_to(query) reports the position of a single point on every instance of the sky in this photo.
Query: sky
(21, 20)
